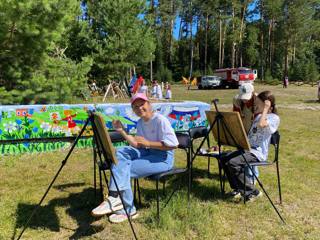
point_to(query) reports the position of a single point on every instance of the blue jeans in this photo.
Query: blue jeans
(250, 175)
(137, 163)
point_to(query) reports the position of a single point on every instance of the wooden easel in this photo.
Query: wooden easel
(115, 91)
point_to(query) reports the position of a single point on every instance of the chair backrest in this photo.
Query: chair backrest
(184, 140)
(275, 141)
(197, 132)
(116, 137)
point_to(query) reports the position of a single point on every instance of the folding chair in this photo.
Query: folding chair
(196, 133)
(184, 144)
(275, 141)
(201, 132)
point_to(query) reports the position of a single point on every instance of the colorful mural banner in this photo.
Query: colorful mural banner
(63, 120)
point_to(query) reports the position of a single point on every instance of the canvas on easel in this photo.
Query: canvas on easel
(236, 129)
(104, 137)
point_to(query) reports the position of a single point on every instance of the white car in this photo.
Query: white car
(209, 82)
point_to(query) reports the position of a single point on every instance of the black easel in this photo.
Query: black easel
(219, 119)
(100, 151)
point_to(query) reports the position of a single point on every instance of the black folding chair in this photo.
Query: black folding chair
(184, 144)
(275, 141)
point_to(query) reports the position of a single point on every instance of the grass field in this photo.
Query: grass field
(65, 213)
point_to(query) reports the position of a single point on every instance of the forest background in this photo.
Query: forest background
(51, 49)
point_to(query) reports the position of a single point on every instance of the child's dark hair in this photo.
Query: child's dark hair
(267, 95)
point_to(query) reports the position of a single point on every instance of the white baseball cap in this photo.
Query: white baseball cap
(245, 91)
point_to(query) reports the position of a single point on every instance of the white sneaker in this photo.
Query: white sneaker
(109, 205)
(254, 196)
(121, 217)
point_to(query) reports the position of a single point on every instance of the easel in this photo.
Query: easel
(228, 129)
(104, 148)
(115, 90)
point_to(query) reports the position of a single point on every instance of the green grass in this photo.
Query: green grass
(65, 213)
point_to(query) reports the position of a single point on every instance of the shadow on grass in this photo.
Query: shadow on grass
(312, 101)
(203, 173)
(79, 206)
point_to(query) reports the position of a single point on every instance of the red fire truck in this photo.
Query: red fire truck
(233, 77)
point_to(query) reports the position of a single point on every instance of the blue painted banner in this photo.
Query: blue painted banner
(63, 120)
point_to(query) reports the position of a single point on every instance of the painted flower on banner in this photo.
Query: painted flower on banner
(56, 129)
(133, 131)
(55, 116)
(68, 133)
(18, 121)
(109, 110)
(45, 126)
(10, 126)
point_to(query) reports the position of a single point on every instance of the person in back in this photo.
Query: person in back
(264, 125)
(245, 103)
(156, 90)
(143, 88)
(168, 91)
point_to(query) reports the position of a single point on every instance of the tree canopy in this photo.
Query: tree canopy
(51, 49)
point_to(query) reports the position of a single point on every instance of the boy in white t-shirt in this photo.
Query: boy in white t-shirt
(156, 90)
(150, 152)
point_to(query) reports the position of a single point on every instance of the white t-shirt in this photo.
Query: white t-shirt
(157, 129)
(259, 138)
(157, 91)
(168, 94)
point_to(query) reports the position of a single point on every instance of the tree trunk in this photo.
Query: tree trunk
(191, 44)
(171, 33)
(223, 43)
(220, 40)
(242, 26)
(294, 54)
(261, 43)
(233, 50)
(151, 71)
(286, 59)
(206, 44)
(269, 44)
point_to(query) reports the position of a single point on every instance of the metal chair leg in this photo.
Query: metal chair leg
(95, 172)
(208, 167)
(139, 192)
(189, 174)
(134, 191)
(208, 145)
(244, 182)
(279, 185)
(101, 188)
(158, 208)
